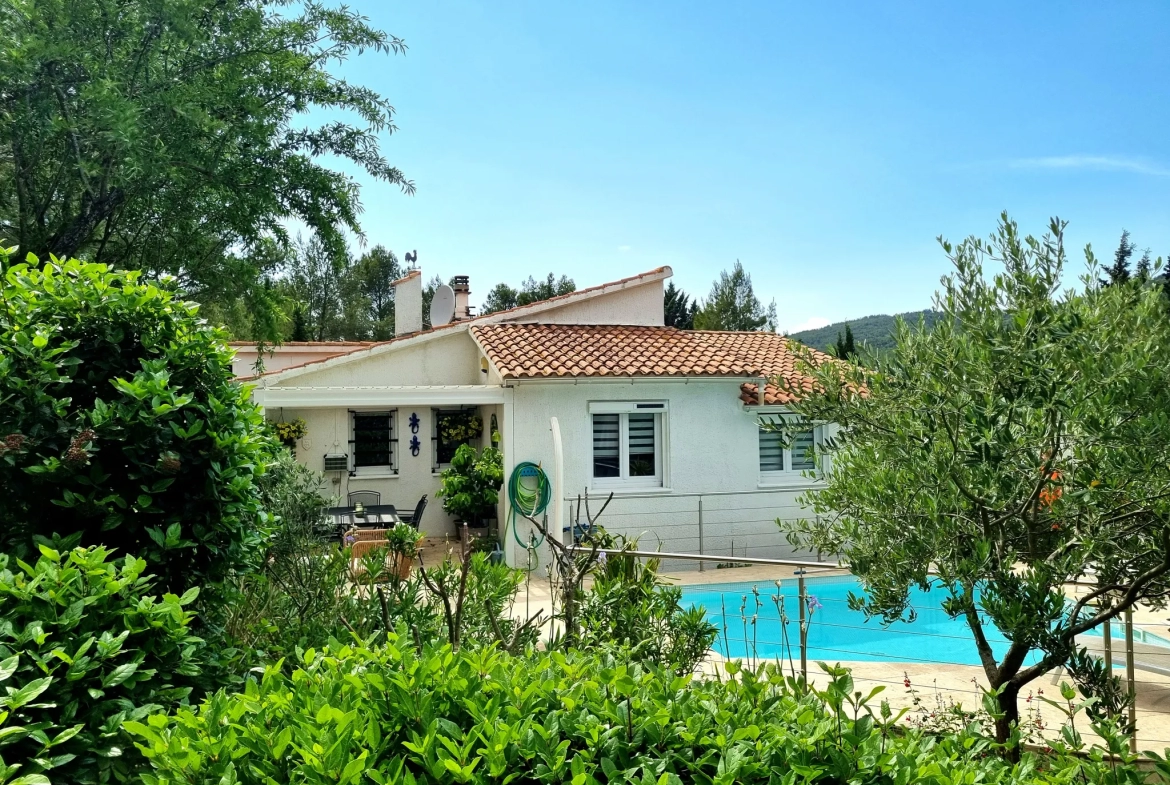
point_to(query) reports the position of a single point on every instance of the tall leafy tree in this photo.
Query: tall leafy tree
(502, 297)
(733, 305)
(998, 460)
(678, 309)
(171, 137)
(367, 287)
(314, 285)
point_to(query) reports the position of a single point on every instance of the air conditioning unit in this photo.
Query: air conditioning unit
(337, 462)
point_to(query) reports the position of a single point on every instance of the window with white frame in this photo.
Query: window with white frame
(374, 442)
(628, 444)
(787, 454)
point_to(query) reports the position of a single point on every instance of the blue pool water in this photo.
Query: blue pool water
(836, 633)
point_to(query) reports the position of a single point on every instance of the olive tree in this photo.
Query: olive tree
(120, 425)
(1014, 460)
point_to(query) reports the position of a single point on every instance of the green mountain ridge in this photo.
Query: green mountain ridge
(875, 332)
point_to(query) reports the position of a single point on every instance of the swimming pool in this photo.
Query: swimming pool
(836, 633)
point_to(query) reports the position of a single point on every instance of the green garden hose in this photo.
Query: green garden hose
(529, 493)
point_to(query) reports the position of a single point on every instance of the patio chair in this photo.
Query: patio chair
(362, 541)
(414, 518)
(366, 498)
(334, 522)
(339, 516)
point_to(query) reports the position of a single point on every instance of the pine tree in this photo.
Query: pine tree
(1118, 272)
(845, 348)
(300, 324)
(733, 305)
(677, 310)
(1144, 267)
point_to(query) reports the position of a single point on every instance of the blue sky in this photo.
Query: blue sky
(825, 145)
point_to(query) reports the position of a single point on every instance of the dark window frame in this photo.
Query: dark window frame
(440, 450)
(391, 447)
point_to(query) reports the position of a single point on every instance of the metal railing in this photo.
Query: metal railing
(699, 557)
(736, 526)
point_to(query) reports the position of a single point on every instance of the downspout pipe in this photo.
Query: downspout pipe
(557, 528)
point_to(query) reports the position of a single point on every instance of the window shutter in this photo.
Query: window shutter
(803, 458)
(606, 445)
(771, 452)
(642, 445)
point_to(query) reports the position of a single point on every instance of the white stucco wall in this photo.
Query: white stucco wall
(437, 360)
(711, 447)
(641, 305)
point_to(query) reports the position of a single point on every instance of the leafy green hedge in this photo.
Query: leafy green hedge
(120, 424)
(88, 647)
(365, 715)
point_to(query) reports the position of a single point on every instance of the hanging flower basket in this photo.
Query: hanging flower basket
(289, 433)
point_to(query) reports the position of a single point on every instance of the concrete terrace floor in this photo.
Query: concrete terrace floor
(934, 687)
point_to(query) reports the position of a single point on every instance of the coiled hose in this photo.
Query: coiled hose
(529, 493)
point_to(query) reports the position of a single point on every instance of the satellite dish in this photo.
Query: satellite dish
(442, 306)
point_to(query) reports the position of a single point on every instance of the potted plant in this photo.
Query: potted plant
(470, 487)
(402, 543)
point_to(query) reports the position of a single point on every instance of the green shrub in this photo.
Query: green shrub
(290, 493)
(470, 487)
(120, 424)
(358, 715)
(312, 592)
(10, 734)
(84, 634)
(483, 616)
(630, 607)
(403, 540)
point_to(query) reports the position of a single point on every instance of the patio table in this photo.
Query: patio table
(373, 516)
(378, 516)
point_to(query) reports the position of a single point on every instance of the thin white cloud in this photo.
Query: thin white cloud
(1103, 163)
(811, 323)
(623, 248)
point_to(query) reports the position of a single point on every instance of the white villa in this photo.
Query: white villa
(667, 420)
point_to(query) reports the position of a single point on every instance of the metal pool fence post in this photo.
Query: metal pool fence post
(803, 626)
(702, 564)
(1130, 680)
(1107, 633)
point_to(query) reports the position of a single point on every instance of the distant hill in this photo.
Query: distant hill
(876, 332)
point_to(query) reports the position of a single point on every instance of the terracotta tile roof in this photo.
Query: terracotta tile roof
(519, 310)
(534, 351)
(312, 344)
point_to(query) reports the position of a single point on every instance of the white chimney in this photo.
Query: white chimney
(462, 288)
(408, 303)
